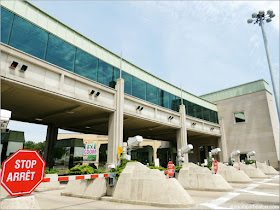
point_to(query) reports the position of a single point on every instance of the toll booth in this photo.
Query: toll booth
(68, 153)
(11, 141)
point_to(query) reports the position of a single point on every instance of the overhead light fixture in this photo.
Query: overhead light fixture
(14, 64)
(87, 127)
(38, 119)
(261, 13)
(170, 117)
(138, 107)
(249, 20)
(193, 123)
(97, 94)
(23, 68)
(269, 11)
(212, 128)
(141, 108)
(91, 92)
(268, 20)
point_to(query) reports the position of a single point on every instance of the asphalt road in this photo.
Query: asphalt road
(261, 194)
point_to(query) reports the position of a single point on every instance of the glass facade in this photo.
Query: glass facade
(31, 39)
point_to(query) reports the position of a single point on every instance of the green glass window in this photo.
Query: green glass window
(115, 76)
(86, 65)
(191, 109)
(60, 53)
(105, 73)
(163, 97)
(6, 24)
(175, 102)
(206, 114)
(29, 38)
(138, 88)
(127, 82)
(152, 94)
(199, 111)
(239, 117)
(213, 116)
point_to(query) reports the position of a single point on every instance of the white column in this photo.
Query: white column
(222, 142)
(115, 127)
(182, 132)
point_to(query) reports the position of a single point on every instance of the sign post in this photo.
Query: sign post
(215, 166)
(238, 165)
(22, 172)
(170, 169)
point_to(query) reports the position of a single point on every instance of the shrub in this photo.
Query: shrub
(83, 169)
(159, 168)
(177, 168)
(247, 162)
(51, 171)
(118, 170)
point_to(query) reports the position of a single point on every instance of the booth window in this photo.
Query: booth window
(239, 117)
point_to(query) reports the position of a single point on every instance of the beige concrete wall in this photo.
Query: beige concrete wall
(258, 133)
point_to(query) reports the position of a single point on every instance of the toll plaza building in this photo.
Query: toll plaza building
(53, 75)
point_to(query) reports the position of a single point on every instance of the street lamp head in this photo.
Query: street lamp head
(269, 11)
(250, 21)
(268, 20)
(254, 15)
(261, 12)
(272, 15)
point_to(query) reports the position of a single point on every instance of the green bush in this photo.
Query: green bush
(247, 162)
(159, 168)
(83, 169)
(51, 171)
(177, 168)
(118, 170)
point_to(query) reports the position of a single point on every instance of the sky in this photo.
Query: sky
(203, 46)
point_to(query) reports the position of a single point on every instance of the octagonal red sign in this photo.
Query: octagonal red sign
(22, 172)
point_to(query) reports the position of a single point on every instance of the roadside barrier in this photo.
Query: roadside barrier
(77, 177)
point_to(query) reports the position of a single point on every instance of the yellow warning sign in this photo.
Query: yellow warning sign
(119, 151)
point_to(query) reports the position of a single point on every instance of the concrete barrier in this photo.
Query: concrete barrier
(192, 176)
(268, 170)
(46, 186)
(23, 202)
(86, 188)
(232, 174)
(250, 170)
(138, 184)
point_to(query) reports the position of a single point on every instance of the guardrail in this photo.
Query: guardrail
(77, 177)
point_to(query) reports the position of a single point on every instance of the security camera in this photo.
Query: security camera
(215, 151)
(135, 141)
(252, 153)
(186, 149)
(235, 153)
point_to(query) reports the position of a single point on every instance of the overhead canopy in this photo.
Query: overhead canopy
(71, 142)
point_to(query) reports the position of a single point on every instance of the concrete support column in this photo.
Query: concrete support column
(49, 145)
(222, 143)
(182, 132)
(115, 128)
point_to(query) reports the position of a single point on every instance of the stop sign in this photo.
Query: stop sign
(215, 166)
(170, 169)
(22, 172)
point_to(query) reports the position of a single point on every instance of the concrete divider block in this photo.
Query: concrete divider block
(86, 188)
(250, 170)
(4, 193)
(23, 202)
(140, 185)
(45, 186)
(268, 170)
(232, 174)
(192, 176)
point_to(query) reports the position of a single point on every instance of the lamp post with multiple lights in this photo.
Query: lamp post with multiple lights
(259, 18)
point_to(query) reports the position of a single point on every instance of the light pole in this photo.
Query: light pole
(259, 18)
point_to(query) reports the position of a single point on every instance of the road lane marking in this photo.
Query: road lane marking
(259, 193)
(219, 201)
